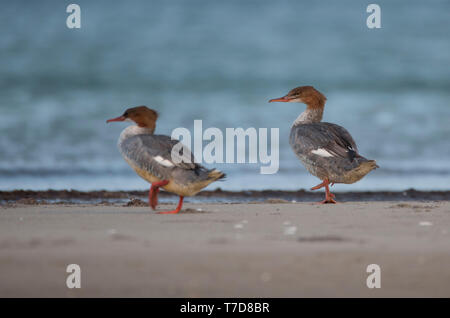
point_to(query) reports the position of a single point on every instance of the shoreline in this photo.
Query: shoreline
(31, 197)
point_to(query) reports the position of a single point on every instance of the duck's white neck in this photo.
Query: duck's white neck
(309, 116)
(133, 130)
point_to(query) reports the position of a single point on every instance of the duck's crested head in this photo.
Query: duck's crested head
(141, 115)
(303, 94)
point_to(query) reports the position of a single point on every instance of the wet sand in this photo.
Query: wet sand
(272, 249)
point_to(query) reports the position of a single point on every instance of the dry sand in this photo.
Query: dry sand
(227, 250)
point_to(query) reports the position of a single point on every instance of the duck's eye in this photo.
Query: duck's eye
(125, 114)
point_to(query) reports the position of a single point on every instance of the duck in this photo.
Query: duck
(327, 150)
(159, 159)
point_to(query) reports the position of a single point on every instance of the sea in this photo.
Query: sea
(220, 62)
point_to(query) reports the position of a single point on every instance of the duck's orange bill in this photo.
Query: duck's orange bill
(120, 118)
(281, 99)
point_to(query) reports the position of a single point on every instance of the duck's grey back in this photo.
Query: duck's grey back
(327, 150)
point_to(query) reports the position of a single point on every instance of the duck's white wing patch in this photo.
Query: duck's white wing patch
(164, 162)
(321, 152)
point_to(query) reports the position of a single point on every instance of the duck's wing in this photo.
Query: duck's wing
(323, 139)
(154, 153)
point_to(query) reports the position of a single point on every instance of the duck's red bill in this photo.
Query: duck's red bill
(281, 99)
(120, 118)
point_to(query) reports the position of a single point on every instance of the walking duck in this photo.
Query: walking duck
(153, 158)
(327, 150)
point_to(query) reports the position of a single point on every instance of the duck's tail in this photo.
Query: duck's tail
(366, 166)
(209, 176)
(363, 167)
(215, 175)
(372, 164)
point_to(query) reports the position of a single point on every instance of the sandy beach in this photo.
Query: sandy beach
(271, 249)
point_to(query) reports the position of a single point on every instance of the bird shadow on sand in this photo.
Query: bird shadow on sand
(140, 203)
(193, 211)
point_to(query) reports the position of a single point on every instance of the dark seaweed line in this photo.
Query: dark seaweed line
(250, 195)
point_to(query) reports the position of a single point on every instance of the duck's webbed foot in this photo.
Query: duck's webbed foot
(180, 204)
(329, 197)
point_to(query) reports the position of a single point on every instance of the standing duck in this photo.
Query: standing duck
(152, 158)
(327, 150)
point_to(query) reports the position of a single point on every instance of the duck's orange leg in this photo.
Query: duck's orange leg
(153, 197)
(153, 193)
(329, 197)
(180, 204)
(317, 187)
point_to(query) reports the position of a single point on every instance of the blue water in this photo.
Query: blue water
(220, 61)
